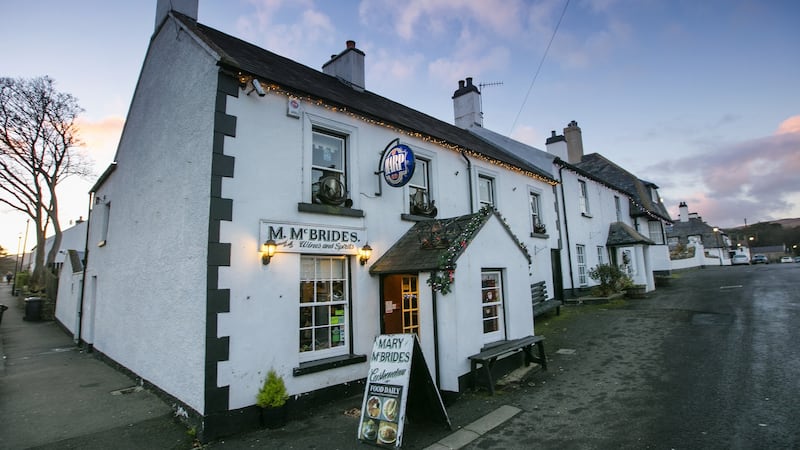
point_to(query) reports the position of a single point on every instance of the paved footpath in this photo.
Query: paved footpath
(54, 395)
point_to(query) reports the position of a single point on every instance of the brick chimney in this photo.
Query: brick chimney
(572, 133)
(347, 66)
(185, 7)
(467, 104)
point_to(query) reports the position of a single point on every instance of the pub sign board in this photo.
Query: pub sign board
(293, 237)
(398, 165)
(397, 374)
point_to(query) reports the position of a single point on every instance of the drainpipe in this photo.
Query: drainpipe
(435, 339)
(79, 331)
(469, 177)
(566, 232)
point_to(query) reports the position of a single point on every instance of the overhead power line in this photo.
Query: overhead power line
(538, 69)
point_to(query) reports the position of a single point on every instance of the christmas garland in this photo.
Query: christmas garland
(441, 280)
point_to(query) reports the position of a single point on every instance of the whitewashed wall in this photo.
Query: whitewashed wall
(69, 293)
(271, 151)
(146, 287)
(592, 232)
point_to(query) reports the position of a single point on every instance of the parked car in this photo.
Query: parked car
(740, 259)
(760, 259)
(785, 259)
(797, 259)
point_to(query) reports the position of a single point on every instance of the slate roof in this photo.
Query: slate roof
(537, 157)
(637, 189)
(696, 227)
(620, 233)
(238, 55)
(429, 243)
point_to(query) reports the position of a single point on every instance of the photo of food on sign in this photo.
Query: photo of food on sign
(369, 430)
(374, 407)
(390, 409)
(387, 433)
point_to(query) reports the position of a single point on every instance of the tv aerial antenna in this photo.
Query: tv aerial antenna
(483, 85)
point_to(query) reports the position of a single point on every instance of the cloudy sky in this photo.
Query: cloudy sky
(699, 97)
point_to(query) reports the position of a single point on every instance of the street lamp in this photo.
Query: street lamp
(719, 247)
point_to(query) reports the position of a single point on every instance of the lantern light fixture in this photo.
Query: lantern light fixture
(268, 251)
(364, 253)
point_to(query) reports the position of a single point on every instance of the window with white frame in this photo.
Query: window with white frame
(492, 305)
(580, 252)
(537, 225)
(601, 254)
(485, 190)
(324, 306)
(583, 197)
(656, 231)
(328, 167)
(419, 191)
(618, 208)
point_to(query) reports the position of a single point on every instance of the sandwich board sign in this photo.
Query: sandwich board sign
(398, 383)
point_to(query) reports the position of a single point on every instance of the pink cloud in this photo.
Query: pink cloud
(790, 125)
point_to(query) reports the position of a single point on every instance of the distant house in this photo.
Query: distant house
(710, 245)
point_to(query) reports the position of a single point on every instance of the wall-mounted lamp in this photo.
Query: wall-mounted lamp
(364, 253)
(268, 251)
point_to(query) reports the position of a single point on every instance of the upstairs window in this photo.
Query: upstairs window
(419, 192)
(656, 231)
(537, 225)
(618, 208)
(328, 168)
(485, 190)
(583, 197)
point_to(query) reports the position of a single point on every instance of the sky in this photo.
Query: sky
(699, 97)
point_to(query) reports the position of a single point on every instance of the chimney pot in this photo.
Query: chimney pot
(351, 44)
(469, 81)
(460, 84)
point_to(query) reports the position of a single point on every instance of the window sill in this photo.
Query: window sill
(329, 209)
(540, 235)
(415, 218)
(327, 364)
(102, 243)
(587, 215)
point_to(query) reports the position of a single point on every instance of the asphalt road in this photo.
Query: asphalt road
(709, 362)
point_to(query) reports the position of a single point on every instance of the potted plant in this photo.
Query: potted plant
(271, 399)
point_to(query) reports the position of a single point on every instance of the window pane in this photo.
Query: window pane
(328, 152)
(420, 177)
(323, 307)
(485, 190)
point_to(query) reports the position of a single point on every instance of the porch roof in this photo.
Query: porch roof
(436, 244)
(620, 233)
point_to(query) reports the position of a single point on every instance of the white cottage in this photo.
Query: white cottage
(247, 221)
(608, 216)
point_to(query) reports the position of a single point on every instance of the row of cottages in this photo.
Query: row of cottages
(263, 215)
(694, 243)
(605, 214)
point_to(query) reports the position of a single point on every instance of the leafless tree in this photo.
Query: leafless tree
(38, 150)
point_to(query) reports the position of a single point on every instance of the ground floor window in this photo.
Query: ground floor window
(580, 252)
(492, 304)
(324, 303)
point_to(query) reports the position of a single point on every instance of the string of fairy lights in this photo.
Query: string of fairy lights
(244, 79)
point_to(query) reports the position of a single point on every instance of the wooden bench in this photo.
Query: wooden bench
(488, 357)
(541, 304)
